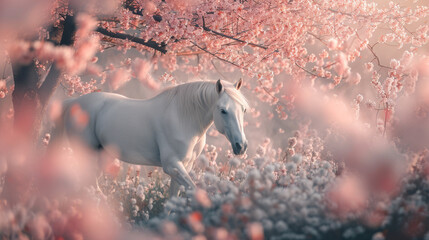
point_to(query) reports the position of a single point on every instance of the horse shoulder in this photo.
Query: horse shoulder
(175, 142)
(176, 137)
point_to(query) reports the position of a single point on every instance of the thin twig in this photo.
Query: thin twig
(371, 49)
(216, 56)
(4, 69)
(227, 36)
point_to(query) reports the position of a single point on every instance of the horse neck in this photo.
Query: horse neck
(207, 121)
(202, 117)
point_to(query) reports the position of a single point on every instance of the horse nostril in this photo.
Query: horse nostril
(238, 146)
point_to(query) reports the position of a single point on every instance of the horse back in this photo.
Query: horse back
(80, 116)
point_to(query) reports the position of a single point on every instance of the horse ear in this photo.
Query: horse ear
(238, 84)
(219, 86)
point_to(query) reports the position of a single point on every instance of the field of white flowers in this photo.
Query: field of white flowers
(307, 193)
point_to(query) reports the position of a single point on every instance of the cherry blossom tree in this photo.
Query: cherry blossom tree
(309, 40)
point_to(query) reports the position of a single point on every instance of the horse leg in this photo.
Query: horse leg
(98, 173)
(174, 189)
(178, 173)
(97, 185)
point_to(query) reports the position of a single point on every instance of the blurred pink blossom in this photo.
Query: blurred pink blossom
(118, 78)
(202, 198)
(142, 70)
(347, 195)
(342, 64)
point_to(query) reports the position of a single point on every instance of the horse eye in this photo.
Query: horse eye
(245, 110)
(223, 111)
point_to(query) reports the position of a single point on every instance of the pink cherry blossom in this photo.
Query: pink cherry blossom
(118, 78)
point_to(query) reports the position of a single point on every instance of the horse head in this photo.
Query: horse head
(228, 114)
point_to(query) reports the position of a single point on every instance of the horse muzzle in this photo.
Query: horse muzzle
(239, 148)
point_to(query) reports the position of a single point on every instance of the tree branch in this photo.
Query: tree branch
(53, 77)
(132, 7)
(123, 36)
(371, 49)
(227, 36)
(129, 6)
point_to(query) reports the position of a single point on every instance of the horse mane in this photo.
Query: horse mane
(198, 96)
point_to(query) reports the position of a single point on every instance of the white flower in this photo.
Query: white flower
(281, 226)
(140, 192)
(259, 161)
(254, 174)
(223, 186)
(210, 178)
(291, 167)
(202, 161)
(268, 224)
(240, 174)
(269, 169)
(134, 213)
(326, 165)
(234, 162)
(260, 150)
(258, 214)
(380, 236)
(297, 158)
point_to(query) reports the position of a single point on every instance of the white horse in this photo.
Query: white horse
(168, 130)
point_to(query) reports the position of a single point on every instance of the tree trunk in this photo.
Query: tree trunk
(31, 93)
(26, 102)
(30, 97)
